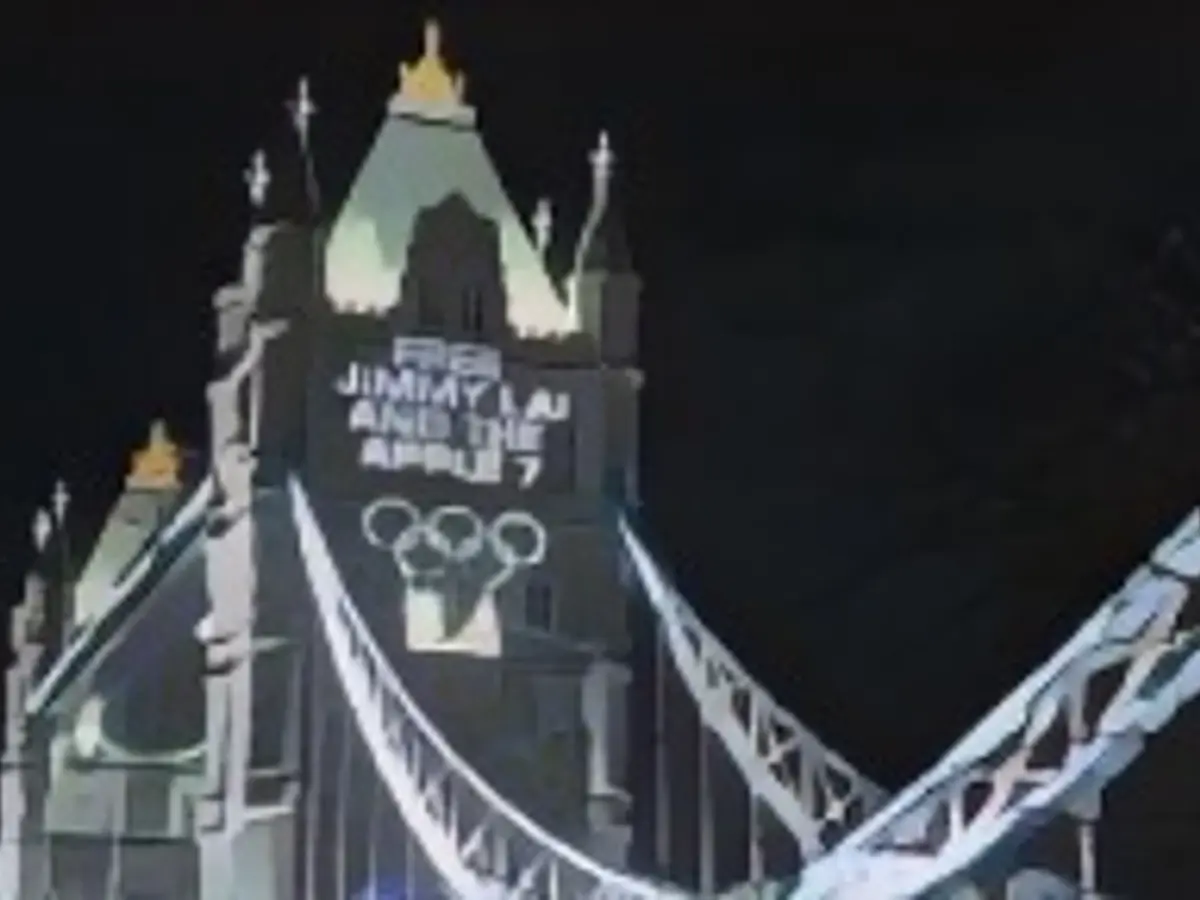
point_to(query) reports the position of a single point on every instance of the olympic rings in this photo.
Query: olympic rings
(442, 530)
(462, 548)
(504, 525)
(388, 504)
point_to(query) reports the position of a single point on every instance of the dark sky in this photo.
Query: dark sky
(896, 264)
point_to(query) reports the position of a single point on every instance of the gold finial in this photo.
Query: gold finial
(428, 80)
(156, 466)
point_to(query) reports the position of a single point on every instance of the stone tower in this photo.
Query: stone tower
(453, 380)
(462, 424)
(109, 745)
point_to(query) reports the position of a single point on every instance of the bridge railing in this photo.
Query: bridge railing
(1050, 747)
(814, 793)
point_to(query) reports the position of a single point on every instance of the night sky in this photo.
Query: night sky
(919, 314)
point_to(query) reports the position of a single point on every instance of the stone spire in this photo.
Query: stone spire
(258, 179)
(543, 223)
(602, 164)
(302, 109)
(604, 288)
(60, 501)
(43, 525)
(603, 245)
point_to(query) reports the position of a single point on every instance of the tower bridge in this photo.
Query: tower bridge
(297, 674)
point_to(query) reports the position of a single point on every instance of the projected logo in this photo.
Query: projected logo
(451, 562)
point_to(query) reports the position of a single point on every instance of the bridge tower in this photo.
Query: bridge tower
(458, 391)
(464, 424)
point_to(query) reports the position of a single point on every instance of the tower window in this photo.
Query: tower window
(473, 312)
(540, 612)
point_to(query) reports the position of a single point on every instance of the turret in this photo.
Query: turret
(27, 637)
(56, 562)
(152, 487)
(604, 288)
(22, 766)
(278, 258)
(280, 283)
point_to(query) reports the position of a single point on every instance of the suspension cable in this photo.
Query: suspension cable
(662, 786)
(116, 824)
(708, 875)
(755, 847)
(409, 881)
(47, 854)
(373, 847)
(1088, 882)
(420, 768)
(343, 791)
(316, 729)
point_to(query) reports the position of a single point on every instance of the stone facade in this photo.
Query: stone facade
(159, 757)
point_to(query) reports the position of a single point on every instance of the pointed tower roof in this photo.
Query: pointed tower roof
(151, 487)
(426, 151)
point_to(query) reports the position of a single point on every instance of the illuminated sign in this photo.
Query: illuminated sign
(445, 408)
